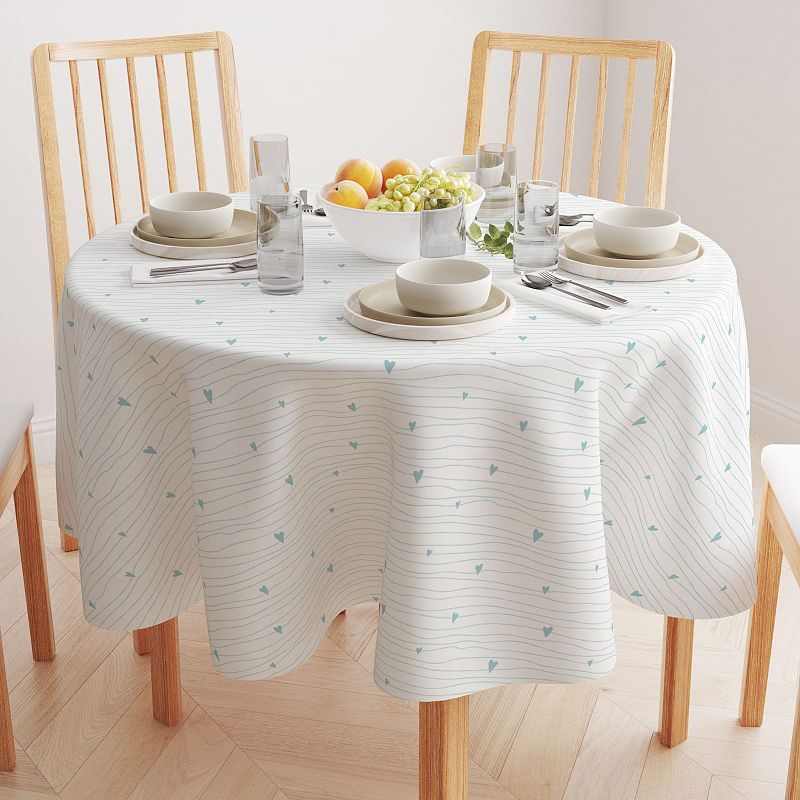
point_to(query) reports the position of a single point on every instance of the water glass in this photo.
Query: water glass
(442, 232)
(269, 165)
(536, 226)
(280, 243)
(496, 174)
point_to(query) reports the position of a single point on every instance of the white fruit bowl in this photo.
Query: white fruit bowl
(391, 236)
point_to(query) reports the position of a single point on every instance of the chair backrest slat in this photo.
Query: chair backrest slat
(661, 119)
(512, 96)
(138, 141)
(197, 131)
(541, 115)
(579, 50)
(569, 126)
(627, 125)
(80, 133)
(129, 50)
(166, 123)
(599, 122)
(111, 151)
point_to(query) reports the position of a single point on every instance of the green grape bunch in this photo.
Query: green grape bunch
(432, 188)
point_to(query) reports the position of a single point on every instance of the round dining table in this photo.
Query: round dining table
(489, 493)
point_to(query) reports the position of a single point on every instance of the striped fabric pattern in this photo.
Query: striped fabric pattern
(489, 493)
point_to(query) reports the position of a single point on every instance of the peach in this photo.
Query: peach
(346, 193)
(398, 166)
(363, 172)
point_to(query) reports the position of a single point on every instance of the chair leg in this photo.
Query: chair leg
(676, 680)
(793, 777)
(141, 641)
(165, 672)
(69, 544)
(444, 749)
(762, 624)
(34, 566)
(8, 756)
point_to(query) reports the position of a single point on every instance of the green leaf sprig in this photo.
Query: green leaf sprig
(495, 241)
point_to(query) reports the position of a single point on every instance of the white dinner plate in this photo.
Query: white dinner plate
(581, 246)
(641, 273)
(380, 301)
(191, 253)
(392, 330)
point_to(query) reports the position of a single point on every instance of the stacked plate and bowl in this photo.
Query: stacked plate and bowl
(628, 243)
(195, 225)
(440, 298)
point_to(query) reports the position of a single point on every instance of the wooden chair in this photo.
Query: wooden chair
(779, 536)
(161, 640)
(18, 477)
(576, 50)
(678, 632)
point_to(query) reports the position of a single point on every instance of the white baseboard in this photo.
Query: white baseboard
(773, 420)
(44, 439)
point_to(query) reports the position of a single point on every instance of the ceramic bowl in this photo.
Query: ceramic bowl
(636, 231)
(386, 235)
(456, 163)
(191, 215)
(443, 287)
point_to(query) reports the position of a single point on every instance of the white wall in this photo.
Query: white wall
(734, 166)
(341, 78)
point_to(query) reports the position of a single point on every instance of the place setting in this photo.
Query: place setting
(630, 243)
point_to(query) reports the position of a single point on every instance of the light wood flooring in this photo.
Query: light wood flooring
(326, 732)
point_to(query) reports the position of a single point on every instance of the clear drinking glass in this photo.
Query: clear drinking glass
(442, 232)
(496, 174)
(269, 165)
(536, 226)
(280, 243)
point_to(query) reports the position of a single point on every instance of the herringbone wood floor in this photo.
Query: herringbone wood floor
(325, 732)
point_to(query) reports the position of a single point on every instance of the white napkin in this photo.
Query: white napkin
(560, 301)
(140, 273)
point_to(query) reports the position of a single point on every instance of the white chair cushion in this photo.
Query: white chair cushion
(781, 463)
(15, 416)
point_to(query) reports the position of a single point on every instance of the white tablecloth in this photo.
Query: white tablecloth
(487, 492)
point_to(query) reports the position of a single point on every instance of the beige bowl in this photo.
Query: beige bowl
(443, 287)
(636, 231)
(191, 215)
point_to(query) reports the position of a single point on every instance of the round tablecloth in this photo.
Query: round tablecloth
(488, 493)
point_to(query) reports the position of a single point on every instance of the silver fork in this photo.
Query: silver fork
(608, 296)
(306, 207)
